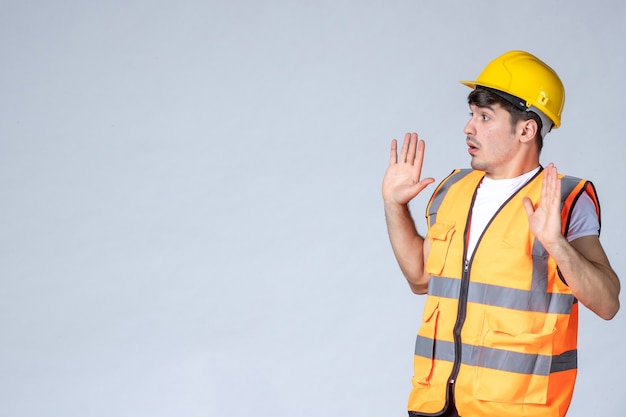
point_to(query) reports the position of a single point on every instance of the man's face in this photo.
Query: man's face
(491, 140)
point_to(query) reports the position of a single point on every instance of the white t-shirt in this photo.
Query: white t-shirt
(492, 194)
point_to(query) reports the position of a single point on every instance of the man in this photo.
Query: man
(511, 249)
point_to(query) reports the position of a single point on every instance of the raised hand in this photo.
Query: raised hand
(545, 219)
(582, 262)
(402, 180)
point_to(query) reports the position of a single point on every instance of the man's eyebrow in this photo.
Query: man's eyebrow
(488, 107)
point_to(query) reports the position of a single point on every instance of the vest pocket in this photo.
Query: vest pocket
(425, 343)
(440, 235)
(513, 365)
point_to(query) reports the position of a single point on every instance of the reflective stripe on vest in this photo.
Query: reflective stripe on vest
(521, 363)
(538, 301)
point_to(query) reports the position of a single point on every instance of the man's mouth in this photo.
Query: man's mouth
(472, 147)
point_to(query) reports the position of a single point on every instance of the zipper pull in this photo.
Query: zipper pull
(466, 266)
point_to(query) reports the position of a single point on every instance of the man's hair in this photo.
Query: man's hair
(482, 97)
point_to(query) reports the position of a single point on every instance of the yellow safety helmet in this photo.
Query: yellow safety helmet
(525, 76)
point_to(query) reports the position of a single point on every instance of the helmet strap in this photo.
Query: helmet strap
(516, 101)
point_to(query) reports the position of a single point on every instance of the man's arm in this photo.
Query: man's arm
(587, 271)
(582, 262)
(400, 185)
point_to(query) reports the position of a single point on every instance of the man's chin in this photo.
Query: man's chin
(477, 165)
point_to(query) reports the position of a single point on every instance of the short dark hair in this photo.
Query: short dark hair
(483, 97)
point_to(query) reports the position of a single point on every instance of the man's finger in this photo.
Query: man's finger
(393, 157)
(405, 147)
(410, 158)
(528, 205)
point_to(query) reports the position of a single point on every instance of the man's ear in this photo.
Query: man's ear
(529, 130)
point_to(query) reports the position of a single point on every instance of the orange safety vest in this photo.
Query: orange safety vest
(500, 329)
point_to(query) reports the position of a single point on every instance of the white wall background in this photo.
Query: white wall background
(190, 214)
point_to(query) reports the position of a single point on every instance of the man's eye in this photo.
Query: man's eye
(484, 117)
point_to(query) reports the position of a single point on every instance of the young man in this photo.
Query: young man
(511, 249)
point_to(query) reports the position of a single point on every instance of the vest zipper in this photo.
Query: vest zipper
(460, 320)
(462, 305)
